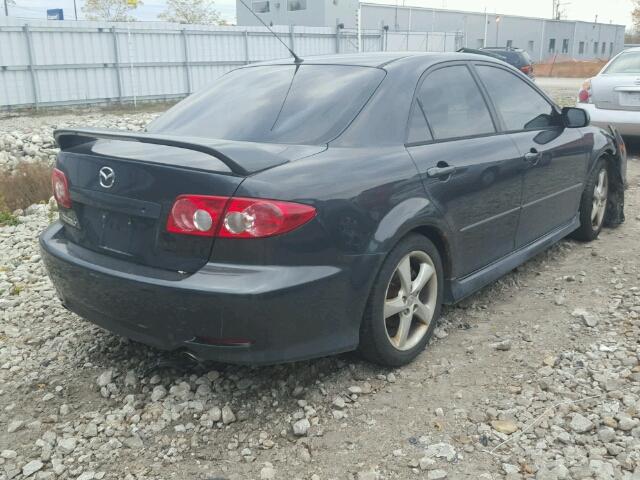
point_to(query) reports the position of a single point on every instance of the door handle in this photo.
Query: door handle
(440, 172)
(533, 156)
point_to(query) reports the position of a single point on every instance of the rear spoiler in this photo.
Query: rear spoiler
(68, 138)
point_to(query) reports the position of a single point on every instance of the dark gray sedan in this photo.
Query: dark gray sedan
(300, 209)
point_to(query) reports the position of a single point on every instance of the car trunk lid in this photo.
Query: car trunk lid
(123, 185)
(616, 92)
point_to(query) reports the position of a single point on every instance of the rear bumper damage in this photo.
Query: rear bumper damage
(229, 313)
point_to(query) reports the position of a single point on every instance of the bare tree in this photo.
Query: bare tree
(192, 11)
(635, 15)
(109, 10)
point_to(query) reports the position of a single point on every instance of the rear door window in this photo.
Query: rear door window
(453, 104)
(295, 104)
(519, 105)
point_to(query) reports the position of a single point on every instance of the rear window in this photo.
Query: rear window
(625, 63)
(515, 58)
(303, 104)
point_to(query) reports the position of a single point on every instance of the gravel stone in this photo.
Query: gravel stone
(301, 427)
(227, 415)
(580, 424)
(32, 467)
(436, 475)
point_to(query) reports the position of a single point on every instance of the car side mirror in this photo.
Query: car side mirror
(575, 117)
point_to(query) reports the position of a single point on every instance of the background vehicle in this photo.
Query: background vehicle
(613, 96)
(517, 57)
(361, 193)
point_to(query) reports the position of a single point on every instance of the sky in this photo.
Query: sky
(615, 11)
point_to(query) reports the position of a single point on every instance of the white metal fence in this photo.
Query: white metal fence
(64, 63)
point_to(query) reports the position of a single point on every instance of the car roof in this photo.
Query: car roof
(380, 59)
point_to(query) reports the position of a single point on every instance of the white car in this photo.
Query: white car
(613, 96)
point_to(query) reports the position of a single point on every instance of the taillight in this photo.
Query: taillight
(527, 69)
(60, 188)
(584, 95)
(236, 217)
(255, 218)
(196, 215)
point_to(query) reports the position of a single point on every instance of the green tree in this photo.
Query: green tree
(110, 10)
(191, 11)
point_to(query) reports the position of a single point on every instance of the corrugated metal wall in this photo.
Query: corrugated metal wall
(542, 38)
(62, 63)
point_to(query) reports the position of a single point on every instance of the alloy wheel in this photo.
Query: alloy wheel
(410, 300)
(600, 196)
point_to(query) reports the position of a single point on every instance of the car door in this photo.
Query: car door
(555, 157)
(471, 173)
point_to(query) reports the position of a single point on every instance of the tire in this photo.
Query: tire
(382, 340)
(593, 205)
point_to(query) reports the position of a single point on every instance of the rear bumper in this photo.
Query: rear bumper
(627, 123)
(273, 314)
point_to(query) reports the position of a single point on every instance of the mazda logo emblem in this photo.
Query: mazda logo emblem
(107, 177)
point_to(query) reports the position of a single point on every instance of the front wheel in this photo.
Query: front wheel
(593, 205)
(404, 305)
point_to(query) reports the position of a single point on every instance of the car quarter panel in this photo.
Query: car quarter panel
(366, 200)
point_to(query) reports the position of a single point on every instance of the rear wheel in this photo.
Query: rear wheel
(593, 205)
(404, 304)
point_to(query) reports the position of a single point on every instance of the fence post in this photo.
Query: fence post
(382, 39)
(187, 68)
(246, 47)
(291, 35)
(31, 53)
(337, 38)
(116, 55)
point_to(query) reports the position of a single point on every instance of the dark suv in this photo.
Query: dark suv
(517, 57)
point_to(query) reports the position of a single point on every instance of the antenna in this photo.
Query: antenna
(296, 58)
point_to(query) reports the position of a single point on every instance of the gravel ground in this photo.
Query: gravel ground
(536, 376)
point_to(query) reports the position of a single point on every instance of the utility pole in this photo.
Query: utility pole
(558, 11)
(75, 9)
(6, 7)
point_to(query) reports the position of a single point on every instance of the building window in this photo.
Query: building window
(297, 5)
(509, 43)
(595, 48)
(581, 48)
(552, 45)
(261, 7)
(531, 46)
(565, 45)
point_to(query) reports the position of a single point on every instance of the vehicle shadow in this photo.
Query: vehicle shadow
(633, 147)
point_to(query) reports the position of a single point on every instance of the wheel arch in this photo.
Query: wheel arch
(609, 146)
(442, 244)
